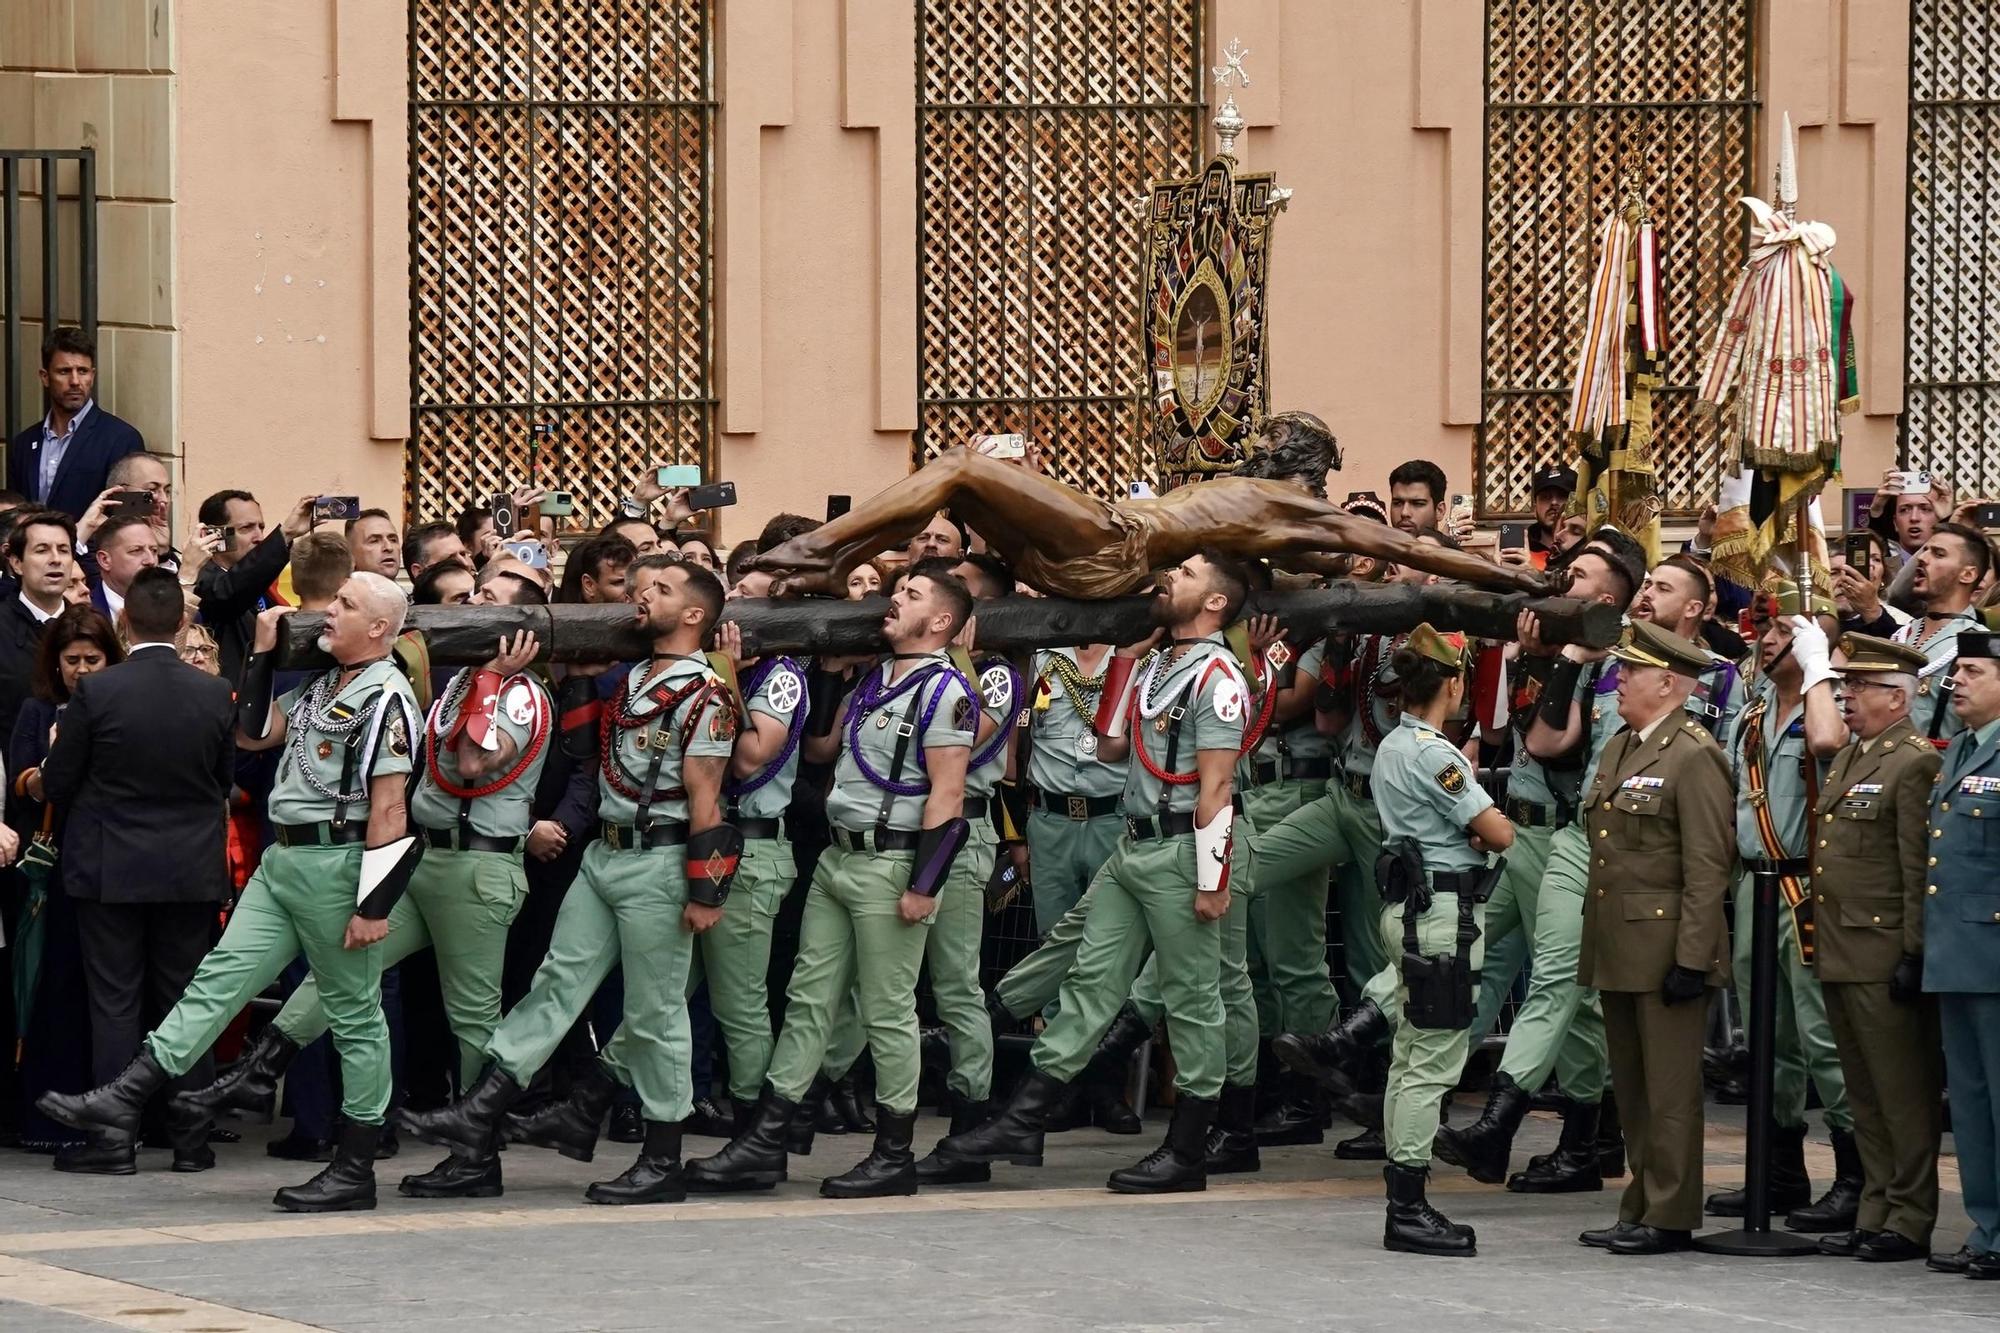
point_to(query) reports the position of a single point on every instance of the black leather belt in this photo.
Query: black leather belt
(759, 828)
(1290, 770)
(318, 835)
(1172, 824)
(451, 839)
(1529, 815)
(878, 840)
(626, 838)
(1358, 785)
(1455, 881)
(1078, 808)
(1796, 865)
(976, 807)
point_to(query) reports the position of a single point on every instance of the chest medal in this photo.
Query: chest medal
(325, 750)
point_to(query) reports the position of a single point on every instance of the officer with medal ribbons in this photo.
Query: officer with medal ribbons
(1872, 848)
(342, 859)
(1949, 570)
(659, 874)
(1962, 942)
(1661, 846)
(1438, 826)
(903, 739)
(1165, 890)
(480, 756)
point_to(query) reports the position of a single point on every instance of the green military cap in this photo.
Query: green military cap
(1646, 644)
(1778, 595)
(1448, 649)
(1869, 655)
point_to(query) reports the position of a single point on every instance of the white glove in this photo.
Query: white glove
(1814, 653)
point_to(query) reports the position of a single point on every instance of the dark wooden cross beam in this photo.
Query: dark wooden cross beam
(463, 635)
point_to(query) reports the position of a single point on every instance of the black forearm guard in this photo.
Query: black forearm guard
(253, 700)
(1560, 693)
(937, 848)
(579, 709)
(712, 858)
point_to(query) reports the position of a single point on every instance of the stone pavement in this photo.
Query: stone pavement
(1296, 1246)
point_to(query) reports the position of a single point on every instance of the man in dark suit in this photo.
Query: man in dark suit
(39, 556)
(142, 765)
(64, 461)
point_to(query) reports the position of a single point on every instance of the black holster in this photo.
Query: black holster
(1442, 987)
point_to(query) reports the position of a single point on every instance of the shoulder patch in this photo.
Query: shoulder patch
(1452, 778)
(397, 729)
(961, 714)
(785, 690)
(996, 687)
(721, 716)
(1227, 700)
(520, 704)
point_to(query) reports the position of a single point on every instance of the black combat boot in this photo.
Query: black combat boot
(1841, 1204)
(187, 1135)
(1484, 1146)
(571, 1125)
(1334, 1057)
(890, 1168)
(1791, 1187)
(843, 1098)
(1180, 1164)
(1097, 1096)
(1413, 1226)
(815, 1112)
(940, 1168)
(1232, 1140)
(102, 1155)
(1367, 1146)
(348, 1182)
(456, 1177)
(1572, 1167)
(709, 1120)
(249, 1084)
(1014, 1135)
(1301, 1115)
(755, 1158)
(469, 1126)
(655, 1178)
(113, 1109)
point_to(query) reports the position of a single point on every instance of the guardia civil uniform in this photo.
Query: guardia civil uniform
(1661, 848)
(1962, 966)
(1870, 865)
(470, 885)
(338, 739)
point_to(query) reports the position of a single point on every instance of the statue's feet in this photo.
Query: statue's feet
(800, 555)
(807, 585)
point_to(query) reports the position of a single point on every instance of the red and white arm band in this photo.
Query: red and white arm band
(1211, 850)
(1112, 704)
(476, 713)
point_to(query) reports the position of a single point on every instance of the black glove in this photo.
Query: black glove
(1683, 983)
(1906, 983)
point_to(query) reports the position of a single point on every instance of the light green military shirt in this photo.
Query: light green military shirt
(1205, 683)
(1784, 746)
(1425, 790)
(997, 684)
(781, 695)
(1377, 710)
(1534, 780)
(1062, 755)
(1932, 704)
(371, 722)
(523, 708)
(705, 717)
(856, 802)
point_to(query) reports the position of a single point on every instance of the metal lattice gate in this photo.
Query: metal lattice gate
(559, 259)
(1951, 403)
(1576, 90)
(1040, 124)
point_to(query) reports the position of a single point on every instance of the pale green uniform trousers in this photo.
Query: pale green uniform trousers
(1063, 856)
(459, 904)
(1424, 1063)
(1559, 1027)
(734, 958)
(299, 901)
(1805, 1047)
(623, 910)
(1341, 831)
(1287, 931)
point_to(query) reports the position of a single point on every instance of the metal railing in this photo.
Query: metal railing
(10, 255)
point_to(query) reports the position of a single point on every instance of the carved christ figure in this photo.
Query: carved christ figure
(1069, 544)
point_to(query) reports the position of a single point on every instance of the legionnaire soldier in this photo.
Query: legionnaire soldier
(658, 875)
(1872, 846)
(1661, 850)
(1166, 888)
(1438, 825)
(481, 754)
(342, 860)
(1962, 942)
(904, 737)
(1950, 568)
(1778, 750)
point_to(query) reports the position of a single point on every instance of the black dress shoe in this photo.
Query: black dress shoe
(1890, 1247)
(1601, 1237)
(627, 1124)
(299, 1147)
(1984, 1266)
(199, 1157)
(1651, 1240)
(1842, 1244)
(711, 1119)
(102, 1156)
(456, 1177)
(1367, 1146)
(1955, 1263)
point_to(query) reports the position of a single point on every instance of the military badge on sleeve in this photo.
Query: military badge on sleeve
(961, 714)
(996, 687)
(1228, 700)
(399, 734)
(1452, 778)
(785, 692)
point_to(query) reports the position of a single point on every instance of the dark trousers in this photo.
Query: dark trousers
(137, 959)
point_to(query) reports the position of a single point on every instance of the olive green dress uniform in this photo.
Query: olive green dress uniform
(1868, 915)
(1425, 792)
(624, 909)
(460, 901)
(853, 939)
(1143, 898)
(1661, 850)
(1804, 1043)
(303, 893)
